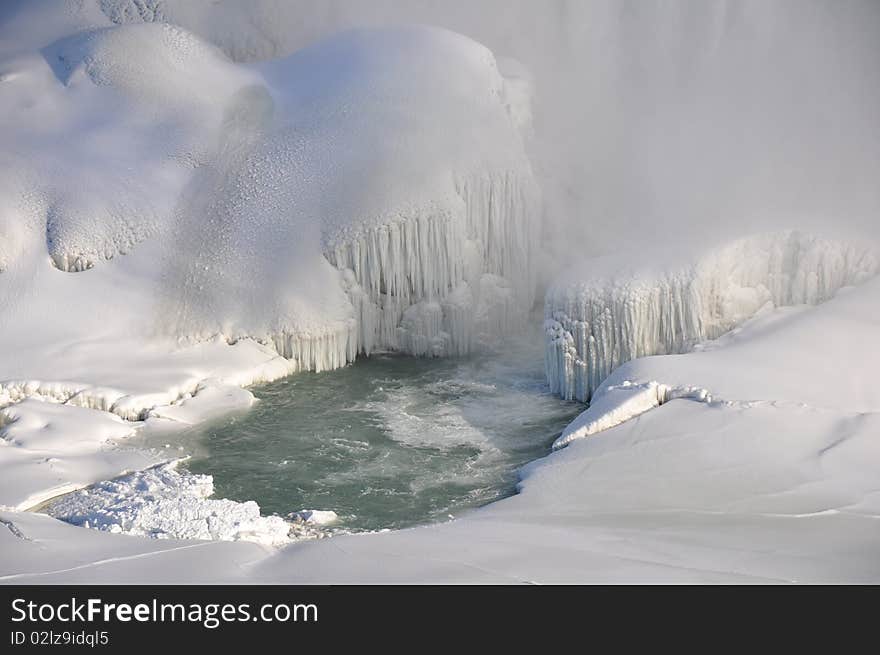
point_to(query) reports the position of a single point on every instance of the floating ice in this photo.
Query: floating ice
(315, 516)
(164, 503)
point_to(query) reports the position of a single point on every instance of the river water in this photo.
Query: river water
(389, 442)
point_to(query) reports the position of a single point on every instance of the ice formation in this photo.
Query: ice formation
(436, 239)
(365, 152)
(369, 192)
(165, 503)
(597, 321)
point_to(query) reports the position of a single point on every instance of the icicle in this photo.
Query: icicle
(593, 327)
(448, 278)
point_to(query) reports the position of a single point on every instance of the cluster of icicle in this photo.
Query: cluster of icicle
(443, 281)
(322, 352)
(594, 326)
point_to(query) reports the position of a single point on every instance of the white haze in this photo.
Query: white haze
(654, 119)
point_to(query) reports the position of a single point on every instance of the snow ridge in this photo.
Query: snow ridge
(616, 404)
(598, 322)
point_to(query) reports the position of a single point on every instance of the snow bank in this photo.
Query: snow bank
(47, 449)
(597, 320)
(211, 399)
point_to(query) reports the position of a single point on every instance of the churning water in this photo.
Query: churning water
(390, 442)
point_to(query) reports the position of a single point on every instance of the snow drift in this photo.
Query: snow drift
(102, 130)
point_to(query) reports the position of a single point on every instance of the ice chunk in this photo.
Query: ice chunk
(164, 503)
(315, 516)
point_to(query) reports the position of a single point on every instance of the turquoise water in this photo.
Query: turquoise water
(389, 442)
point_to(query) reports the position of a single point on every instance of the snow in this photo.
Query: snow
(612, 405)
(47, 449)
(176, 225)
(768, 478)
(143, 103)
(210, 399)
(605, 313)
(135, 377)
(162, 503)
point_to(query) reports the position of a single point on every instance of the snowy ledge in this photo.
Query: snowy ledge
(613, 405)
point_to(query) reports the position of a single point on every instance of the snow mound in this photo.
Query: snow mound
(163, 503)
(158, 63)
(423, 119)
(396, 155)
(46, 427)
(600, 318)
(47, 449)
(104, 128)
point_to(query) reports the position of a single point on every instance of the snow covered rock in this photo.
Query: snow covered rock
(599, 318)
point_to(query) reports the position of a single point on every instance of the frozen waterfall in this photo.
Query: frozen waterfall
(595, 321)
(446, 279)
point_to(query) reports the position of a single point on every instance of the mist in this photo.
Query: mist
(654, 120)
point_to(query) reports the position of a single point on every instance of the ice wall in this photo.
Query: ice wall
(601, 317)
